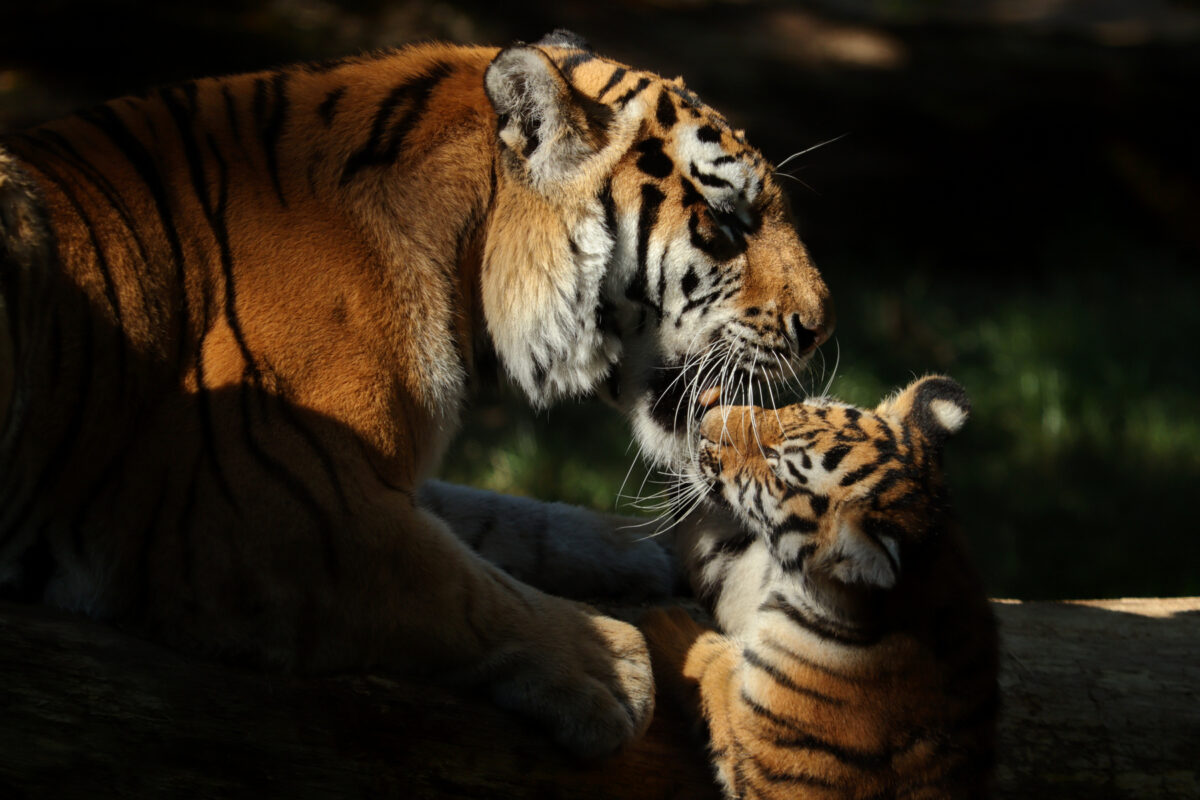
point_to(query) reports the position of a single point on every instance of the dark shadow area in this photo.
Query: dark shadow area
(1013, 202)
(1098, 705)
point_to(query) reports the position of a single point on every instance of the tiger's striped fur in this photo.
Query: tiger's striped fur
(241, 315)
(858, 658)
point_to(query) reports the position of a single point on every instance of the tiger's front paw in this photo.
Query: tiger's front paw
(588, 680)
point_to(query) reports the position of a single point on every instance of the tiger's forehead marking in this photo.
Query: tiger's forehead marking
(688, 135)
(826, 449)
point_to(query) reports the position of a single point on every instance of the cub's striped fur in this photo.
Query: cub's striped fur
(240, 316)
(858, 658)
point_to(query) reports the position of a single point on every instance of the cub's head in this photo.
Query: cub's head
(637, 244)
(843, 497)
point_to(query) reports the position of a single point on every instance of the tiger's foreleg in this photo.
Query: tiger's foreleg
(423, 601)
(559, 548)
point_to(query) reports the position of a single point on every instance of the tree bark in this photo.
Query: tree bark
(1100, 701)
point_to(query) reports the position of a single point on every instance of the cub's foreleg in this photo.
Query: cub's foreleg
(697, 668)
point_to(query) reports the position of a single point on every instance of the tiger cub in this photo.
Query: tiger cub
(859, 652)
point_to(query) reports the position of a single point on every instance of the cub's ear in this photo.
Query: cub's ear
(547, 129)
(935, 405)
(561, 37)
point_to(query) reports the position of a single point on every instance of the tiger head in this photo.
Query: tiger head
(637, 246)
(843, 498)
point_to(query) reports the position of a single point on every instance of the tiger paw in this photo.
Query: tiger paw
(588, 681)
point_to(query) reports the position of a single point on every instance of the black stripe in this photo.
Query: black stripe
(708, 179)
(89, 172)
(215, 215)
(294, 486)
(755, 660)
(633, 92)
(66, 445)
(691, 195)
(794, 523)
(802, 739)
(796, 563)
(110, 288)
(376, 151)
(821, 628)
(890, 478)
(665, 112)
(731, 546)
(796, 474)
(689, 282)
(688, 97)
(858, 474)
(617, 75)
(105, 119)
(775, 776)
(833, 457)
(609, 206)
(232, 117)
(638, 289)
(270, 126)
(653, 161)
(702, 300)
(328, 107)
(291, 417)
(572, 61)
(806, 663)
(208, 432)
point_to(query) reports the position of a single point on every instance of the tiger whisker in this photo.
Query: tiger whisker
(833, 373)
(807, 150)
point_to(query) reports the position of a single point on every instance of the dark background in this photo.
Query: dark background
(1015, 201)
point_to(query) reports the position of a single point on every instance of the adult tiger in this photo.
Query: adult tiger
(859, 652)
(241, 317)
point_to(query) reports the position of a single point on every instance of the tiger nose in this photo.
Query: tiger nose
(808, 339)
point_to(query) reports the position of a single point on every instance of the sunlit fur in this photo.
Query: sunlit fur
(241, 315)
(858, 653)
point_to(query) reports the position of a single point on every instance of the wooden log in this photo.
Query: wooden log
(1100, 701)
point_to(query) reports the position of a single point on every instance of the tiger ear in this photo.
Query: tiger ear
(935, 405)
(547, 129)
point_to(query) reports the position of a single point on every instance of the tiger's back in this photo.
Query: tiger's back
(858, 658)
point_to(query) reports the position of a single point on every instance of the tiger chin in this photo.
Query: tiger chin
(858, 656)
(241, 316)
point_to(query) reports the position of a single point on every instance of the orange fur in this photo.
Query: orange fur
(246, 330)
(831, 687)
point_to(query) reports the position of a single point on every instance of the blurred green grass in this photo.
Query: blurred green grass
(1082, 457)
(1015, 206)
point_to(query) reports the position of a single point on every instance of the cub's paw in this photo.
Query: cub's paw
(675, 641)
(587, 678)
